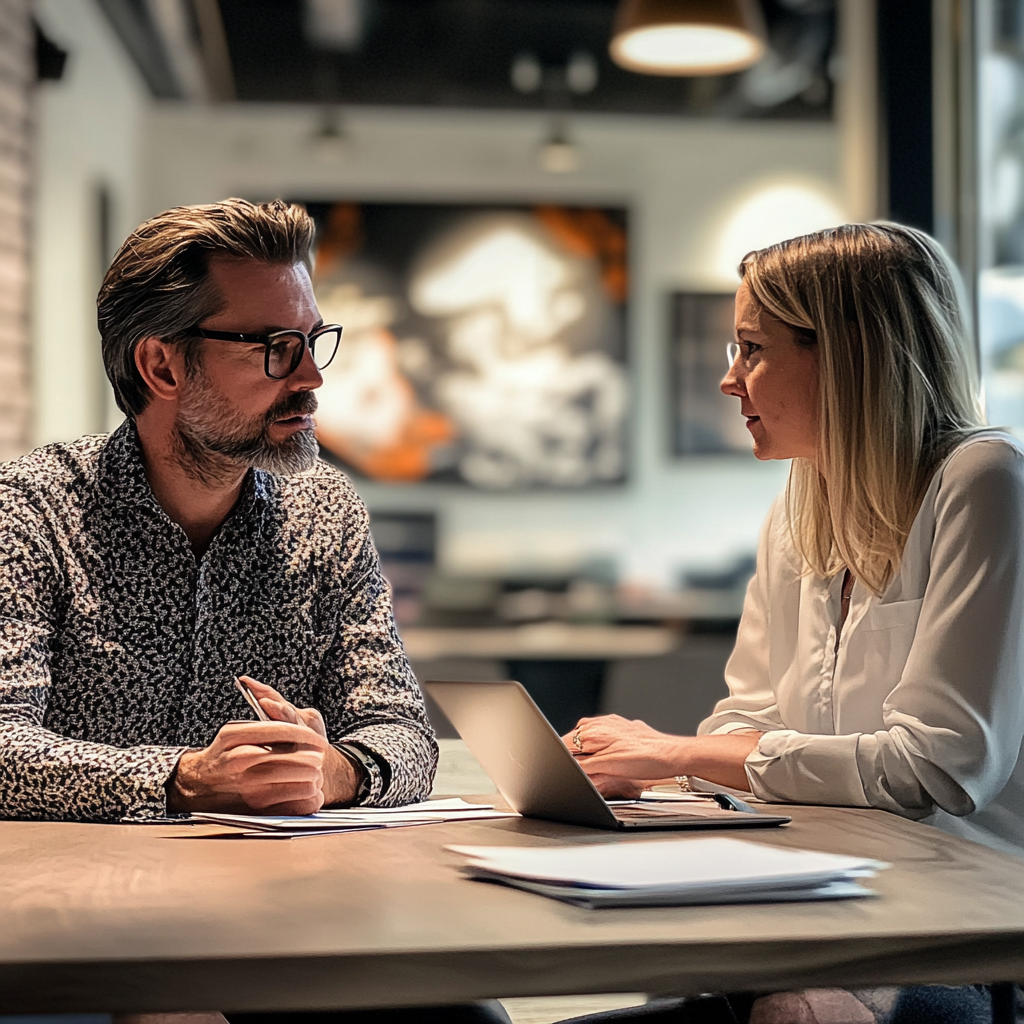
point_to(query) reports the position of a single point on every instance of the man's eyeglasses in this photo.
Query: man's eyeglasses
(283, 350)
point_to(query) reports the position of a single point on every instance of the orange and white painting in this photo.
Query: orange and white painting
(482, 345)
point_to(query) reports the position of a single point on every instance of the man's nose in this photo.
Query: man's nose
(305, 377)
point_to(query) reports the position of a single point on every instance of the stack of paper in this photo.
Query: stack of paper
(670, 873)
(351, 819)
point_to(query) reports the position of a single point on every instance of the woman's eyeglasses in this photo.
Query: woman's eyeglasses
(283, 350)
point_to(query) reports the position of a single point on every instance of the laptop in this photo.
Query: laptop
(539, 778)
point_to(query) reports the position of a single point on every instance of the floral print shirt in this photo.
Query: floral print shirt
(119, 648)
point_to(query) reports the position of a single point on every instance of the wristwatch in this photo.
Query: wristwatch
(366, 767)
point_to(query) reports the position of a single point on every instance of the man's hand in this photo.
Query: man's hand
(285, 766)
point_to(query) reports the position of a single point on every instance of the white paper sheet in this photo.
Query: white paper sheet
(354, 819)
(677, 864)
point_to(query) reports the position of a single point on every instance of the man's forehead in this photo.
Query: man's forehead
(236, 270)
(266, 294)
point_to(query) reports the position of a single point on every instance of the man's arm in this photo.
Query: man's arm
(44, 775)
(367, 692)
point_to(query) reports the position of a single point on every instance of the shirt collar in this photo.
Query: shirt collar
(122, 474)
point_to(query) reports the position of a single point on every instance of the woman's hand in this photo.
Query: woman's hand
(623, 757)
(622, 748)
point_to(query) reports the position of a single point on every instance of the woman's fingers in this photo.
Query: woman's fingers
(616, 787)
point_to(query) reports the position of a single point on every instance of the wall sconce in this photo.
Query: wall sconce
(558, 154)
(329, 140)
(687, 37)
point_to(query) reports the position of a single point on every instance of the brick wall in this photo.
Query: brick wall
(17, 77)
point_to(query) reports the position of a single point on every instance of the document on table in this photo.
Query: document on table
(670, 873)
(351, 819)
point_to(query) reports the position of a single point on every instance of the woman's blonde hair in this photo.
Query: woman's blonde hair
(897, 384)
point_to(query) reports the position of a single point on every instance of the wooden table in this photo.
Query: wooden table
(111, 918)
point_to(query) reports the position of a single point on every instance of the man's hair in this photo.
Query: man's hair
(897, 384)
(158, 284)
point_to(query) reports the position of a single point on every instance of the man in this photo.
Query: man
(140, 573)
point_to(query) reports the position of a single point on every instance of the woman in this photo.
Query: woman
(879, 659)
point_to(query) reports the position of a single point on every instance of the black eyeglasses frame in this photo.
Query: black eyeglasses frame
(267, 341)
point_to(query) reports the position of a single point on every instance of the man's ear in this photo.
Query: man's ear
(161, 365)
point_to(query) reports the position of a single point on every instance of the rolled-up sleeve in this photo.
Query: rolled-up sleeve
(954, 722)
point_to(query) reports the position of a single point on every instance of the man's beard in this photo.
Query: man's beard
(212, 440)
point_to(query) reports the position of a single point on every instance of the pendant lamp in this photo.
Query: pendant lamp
(687, 37)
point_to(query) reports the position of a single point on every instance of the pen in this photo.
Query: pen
(251, 700)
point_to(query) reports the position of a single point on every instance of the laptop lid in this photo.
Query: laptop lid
(525, 757)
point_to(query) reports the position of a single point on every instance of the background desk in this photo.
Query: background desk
(122, 918)
(650, 672)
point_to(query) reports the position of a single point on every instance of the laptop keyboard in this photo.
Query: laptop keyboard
(634, 812)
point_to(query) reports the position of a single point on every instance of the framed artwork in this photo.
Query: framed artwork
(484, 345)
(704, 421)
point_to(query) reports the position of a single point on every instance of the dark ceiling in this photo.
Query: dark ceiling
(460, 53)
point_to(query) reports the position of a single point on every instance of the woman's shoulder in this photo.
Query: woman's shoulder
(981, 453)
(987, 463)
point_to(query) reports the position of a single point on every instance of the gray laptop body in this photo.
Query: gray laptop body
(539, 778)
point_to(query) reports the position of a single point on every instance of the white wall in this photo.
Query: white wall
(89, 126)
(681, 181)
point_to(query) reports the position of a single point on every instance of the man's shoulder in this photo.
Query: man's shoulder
(323, 489)
(54, 468)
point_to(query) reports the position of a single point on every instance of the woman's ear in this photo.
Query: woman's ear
(161, 365)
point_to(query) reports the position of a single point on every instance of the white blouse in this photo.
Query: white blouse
(921, 709)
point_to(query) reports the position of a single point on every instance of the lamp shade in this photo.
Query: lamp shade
(687, 37)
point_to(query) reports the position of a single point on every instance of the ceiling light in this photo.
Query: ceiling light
(526, 73)
(687, 37)
(581, 72)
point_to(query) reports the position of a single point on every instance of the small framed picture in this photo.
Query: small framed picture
(704, 421)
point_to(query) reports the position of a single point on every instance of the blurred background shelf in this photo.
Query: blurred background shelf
(550, 641)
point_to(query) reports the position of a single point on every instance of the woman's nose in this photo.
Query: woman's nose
(732, 383)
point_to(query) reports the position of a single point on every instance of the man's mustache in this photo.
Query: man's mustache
(302, 403)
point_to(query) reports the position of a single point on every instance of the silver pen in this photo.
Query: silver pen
(251, 700)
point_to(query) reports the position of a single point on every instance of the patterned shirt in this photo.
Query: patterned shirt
(119, 648)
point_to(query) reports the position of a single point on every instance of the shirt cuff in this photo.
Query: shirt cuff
(729, 727)
(375, 783)
(150, 797)
(793, 767)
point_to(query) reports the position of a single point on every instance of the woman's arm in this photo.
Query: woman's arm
(621, 756)
(953, 725)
